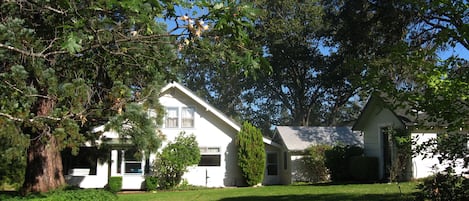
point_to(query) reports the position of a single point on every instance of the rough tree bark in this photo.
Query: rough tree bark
(44, 162)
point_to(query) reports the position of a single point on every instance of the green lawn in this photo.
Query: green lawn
(294, 192)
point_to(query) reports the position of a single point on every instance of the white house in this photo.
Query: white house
(185, 112)
(296, 139)
(376, 117)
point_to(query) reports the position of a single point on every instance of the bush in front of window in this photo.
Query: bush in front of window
(115, 184)
(174, 159)
(251, 154)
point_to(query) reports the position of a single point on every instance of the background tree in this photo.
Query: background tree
(67, 67)
(399, 46)
(297, 82)
(174, 159)
(251, 154)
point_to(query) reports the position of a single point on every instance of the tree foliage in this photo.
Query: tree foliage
(297, 82)
(251, 154)
(398, 44)
(174, 159)
(314, 164)
(67, 67)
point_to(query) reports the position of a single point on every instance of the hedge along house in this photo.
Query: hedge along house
(296, 139)
(377, 120)
(185, 112)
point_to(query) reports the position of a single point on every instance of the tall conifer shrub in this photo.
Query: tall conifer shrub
(251, 154)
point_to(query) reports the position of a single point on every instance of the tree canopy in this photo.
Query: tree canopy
(67, 67)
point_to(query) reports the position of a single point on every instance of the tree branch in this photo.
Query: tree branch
(32, 54)
(20, 91)
(11, 117)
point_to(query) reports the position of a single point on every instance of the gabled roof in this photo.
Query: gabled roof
(298, 138)
(402, 109)
(203, 103)
(210, 108)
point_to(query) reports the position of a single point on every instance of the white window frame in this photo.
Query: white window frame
(210, 151)
(168, 118)
(191, 111)
(125, 162)
(276, 164)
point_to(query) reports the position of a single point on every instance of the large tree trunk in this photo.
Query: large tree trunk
(44, 166)
(44, 162)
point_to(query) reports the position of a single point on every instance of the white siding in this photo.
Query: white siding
(424, 167)
(210, 131)
(372, 133)
(89, 181)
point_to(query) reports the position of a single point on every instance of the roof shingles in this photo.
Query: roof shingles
(298, 138)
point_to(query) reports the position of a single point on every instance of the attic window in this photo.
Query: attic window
(172, 116)
(187, 117)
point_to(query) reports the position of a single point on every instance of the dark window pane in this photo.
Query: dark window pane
(271, 158)
(133, 167)
(210, 160)
(87, 158)
(285, 160)
(271, 169)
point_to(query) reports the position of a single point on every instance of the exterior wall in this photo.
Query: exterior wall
(210, 131)
(373, 141)
(424, 167)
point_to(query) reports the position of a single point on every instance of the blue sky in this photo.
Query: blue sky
(459, 50)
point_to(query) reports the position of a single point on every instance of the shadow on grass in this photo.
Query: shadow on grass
(326, 197)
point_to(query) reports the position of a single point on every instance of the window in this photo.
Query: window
(187, 117)
(210, 156)
(131, 164)
(272, 163)
(285, 160)
(85, 163)
(172, 116)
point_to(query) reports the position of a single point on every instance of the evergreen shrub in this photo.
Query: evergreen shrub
(115, 184)
(251, 154)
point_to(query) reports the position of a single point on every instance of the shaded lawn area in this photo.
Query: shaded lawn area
(284, 193)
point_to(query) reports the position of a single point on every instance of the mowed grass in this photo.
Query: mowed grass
(332, 192)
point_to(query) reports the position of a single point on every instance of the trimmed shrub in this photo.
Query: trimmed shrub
(337, 161)
(444, 186)
(174, 159)
(364, 168)
(151, 183)
(115, 184)
(314, 163)
(251, 154)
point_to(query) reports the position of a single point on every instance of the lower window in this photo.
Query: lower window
(210, 156)
(131, 164)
